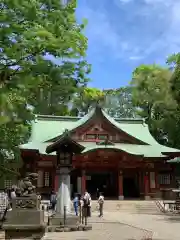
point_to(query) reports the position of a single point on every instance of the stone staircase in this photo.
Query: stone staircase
(136, 207)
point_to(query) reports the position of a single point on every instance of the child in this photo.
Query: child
(76, 204)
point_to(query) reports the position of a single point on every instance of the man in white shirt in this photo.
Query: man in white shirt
(87, 203)
(101, 204)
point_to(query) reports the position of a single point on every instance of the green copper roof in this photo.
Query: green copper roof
(139, 150)
(45, 128)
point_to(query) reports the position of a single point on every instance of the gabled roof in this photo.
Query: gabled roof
(147, 151)
(47, 129)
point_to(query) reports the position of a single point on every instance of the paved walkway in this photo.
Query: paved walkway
(125, 226)
(163, 227)
(102, 230)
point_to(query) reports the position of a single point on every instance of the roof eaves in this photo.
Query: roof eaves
(109, 147)
(64, 140)
(175, 160)
(56, 118)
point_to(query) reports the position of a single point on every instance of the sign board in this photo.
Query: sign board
(45, 164)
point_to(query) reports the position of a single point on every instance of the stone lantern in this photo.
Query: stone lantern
(65, 147)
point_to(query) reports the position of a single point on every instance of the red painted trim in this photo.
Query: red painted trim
(146, 185)
(120, 185)
(56, 183)
(83, 182)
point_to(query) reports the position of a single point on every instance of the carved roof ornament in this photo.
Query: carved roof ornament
(66, 133)
(106, 142)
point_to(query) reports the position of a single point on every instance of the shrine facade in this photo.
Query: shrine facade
(120, 157)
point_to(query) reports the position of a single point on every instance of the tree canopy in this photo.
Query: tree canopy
(43, 70)
(42, 64)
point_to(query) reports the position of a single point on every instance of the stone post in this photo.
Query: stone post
(64, 193)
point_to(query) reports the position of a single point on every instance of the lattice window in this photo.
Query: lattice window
(7, 183)
(103, 136)
(46, 179)
(91, 136)
(164, 179)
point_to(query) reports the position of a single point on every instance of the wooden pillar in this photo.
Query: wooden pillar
(156, 179)
(83, 182)
(56, 183)
(120, 185)
(146, 185)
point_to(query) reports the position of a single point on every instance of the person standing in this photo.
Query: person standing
(97, 193)
(76, 204)
(101, 204)
(53, 200)
(86, 204)
(12, 195)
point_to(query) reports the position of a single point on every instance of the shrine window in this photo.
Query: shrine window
(164, 179)
(46, 179)
(91, 136)
(103, 136)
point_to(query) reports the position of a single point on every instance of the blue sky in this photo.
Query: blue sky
(122, 34)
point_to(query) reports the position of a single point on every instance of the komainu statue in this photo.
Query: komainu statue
(26, 187)
(26, 192)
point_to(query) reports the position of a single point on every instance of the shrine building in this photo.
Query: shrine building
(120, 156)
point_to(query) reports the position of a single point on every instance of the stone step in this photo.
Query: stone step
(129, 206)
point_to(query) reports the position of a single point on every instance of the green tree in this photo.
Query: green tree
(174, 63)
(30, 31)
(153, 99)
(86, 98)
(119, 103)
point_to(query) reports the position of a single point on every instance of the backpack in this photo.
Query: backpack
(86, 201)
(101, 200)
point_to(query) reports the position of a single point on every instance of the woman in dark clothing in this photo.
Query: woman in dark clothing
(53, 200)
(97, 193)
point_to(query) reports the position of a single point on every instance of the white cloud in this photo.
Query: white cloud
(135, 58)
(103, 35)
(149, 29)
(125, 1)
(164, 2)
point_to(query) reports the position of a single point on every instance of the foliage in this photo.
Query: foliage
(174, 61)
(152, 96)
(119, 103)
(35, 34)
(86, 98)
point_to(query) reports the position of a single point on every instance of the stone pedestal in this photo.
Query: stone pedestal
(147, 197)
(121, 197)
(23, 222)
(64, 193)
